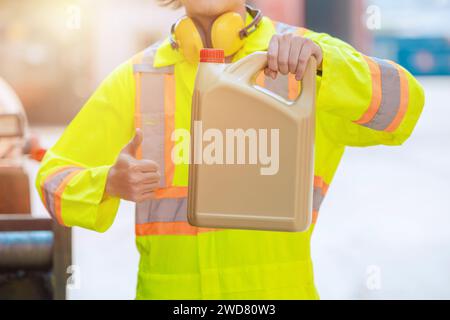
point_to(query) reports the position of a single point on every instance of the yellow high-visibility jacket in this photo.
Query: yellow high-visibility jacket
(361, 101)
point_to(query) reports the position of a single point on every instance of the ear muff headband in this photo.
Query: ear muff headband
(227, 33)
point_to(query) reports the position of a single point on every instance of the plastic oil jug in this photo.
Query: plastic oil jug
(252, 150)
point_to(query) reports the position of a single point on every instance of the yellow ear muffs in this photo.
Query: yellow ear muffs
(225, 33)
(188, 38)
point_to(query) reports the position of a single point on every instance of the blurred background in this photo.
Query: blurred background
(372, 241)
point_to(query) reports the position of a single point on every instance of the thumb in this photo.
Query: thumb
(132, 147)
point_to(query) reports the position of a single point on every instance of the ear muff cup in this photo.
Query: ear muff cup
(189, 39)
(225, 33)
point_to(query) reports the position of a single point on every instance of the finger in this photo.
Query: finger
(132, 147)
(283, 54)
(273, 74)
(296, 47)
(150, 177)
(272, 55)
(318, 54)
(146, 166)
(270, 73)
(141, 178)
(147, 196)
(150, 187)
(267, 72)
(303, 58)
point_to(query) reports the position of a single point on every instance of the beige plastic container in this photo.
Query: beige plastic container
(239, 196)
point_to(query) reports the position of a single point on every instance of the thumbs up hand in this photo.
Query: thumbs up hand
(132, 179)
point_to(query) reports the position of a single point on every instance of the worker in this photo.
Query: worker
(119, 147)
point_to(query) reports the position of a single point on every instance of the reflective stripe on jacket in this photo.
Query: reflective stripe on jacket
(361, 101)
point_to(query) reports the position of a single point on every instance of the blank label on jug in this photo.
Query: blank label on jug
(259, 147)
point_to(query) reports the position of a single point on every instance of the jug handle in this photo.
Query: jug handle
(248, 67)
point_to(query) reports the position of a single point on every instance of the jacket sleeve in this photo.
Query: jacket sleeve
(71, 180)
(367, 101)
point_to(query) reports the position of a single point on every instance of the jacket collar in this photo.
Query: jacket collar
(256, 41)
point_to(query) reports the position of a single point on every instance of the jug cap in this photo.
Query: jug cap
(212, 56)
